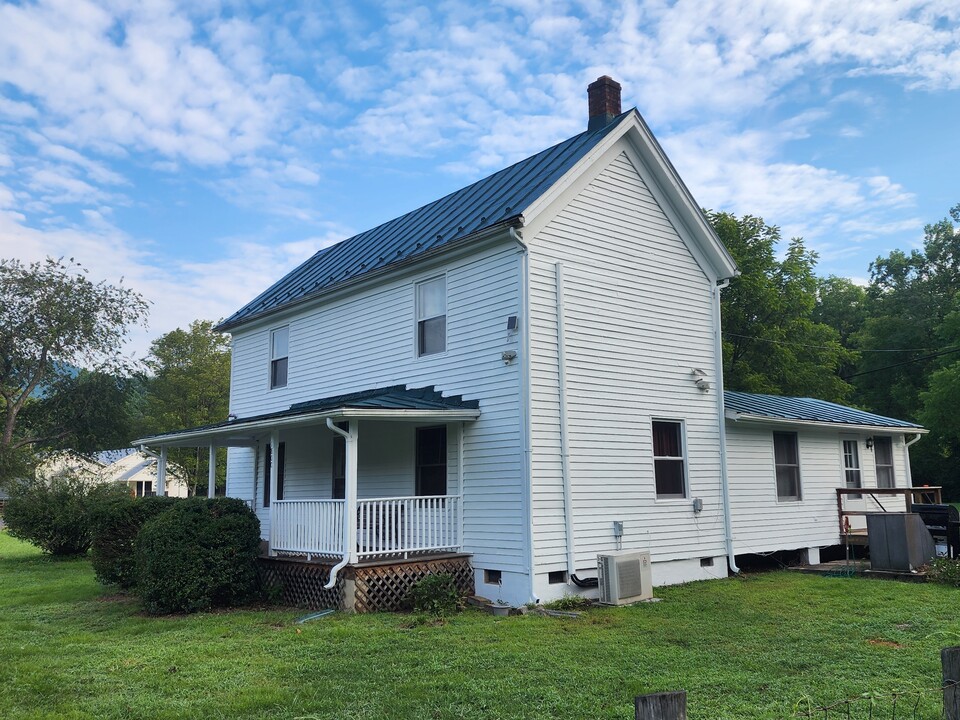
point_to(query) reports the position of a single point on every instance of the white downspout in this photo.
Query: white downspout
(906, 458)
(564, 435)
(350, 491)
(721, 412)
(525, 379)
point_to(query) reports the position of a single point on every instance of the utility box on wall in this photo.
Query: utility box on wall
(899, 542)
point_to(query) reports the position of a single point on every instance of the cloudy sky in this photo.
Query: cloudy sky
(201, 150)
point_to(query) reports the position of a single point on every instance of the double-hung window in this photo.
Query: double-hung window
(851, 465)
(431, 459)
(279, 343)
(668, 459)
(883, 456)
(267, 463)
(786, 459)
(432, 316)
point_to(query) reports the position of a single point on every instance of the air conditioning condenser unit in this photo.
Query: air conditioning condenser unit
(624, 577)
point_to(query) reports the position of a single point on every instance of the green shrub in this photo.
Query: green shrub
(198, 554)
(945, 571)
(54, 515)
(115, 524)
(435, 594)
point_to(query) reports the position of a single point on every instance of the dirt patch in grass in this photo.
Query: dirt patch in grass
(884, 643)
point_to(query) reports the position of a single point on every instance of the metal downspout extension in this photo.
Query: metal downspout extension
(724, 479)
(335, 570)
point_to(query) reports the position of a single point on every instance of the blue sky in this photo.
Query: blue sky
(201, 150)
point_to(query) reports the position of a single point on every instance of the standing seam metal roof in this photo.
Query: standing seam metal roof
(806, 409)
(498, 198)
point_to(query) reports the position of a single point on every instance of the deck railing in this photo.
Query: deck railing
(386, 527)
(925, 494)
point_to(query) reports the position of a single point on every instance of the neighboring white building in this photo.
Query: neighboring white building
(134, 468)
(526, 371)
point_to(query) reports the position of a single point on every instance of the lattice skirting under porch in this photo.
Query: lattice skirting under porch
(301, 583)
(385, 586)
(370, 587)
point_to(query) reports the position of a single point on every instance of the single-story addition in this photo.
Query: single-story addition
(502, 384)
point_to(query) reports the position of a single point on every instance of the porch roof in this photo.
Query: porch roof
(390, 403)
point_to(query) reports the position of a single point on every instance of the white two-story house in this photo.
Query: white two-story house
(501, 384)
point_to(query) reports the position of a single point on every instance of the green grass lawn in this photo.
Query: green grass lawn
(742, 648)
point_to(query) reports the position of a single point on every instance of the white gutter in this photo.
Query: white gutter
(906, 458)
(721, 419)
(525, 426)
(564, 434)
(335, 570)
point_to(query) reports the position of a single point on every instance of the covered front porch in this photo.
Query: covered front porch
(370, 477)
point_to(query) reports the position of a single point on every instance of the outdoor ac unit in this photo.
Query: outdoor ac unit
(624, 577)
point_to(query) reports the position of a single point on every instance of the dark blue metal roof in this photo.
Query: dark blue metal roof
(498, 199)
(806, 409)
(397, 397)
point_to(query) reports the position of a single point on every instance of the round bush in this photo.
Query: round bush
(54, 515)
(115, 523)
(198, 554)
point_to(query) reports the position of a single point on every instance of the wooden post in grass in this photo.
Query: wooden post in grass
(950, 660)
(662, 706)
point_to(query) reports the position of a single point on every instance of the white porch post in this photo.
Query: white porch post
(350, 491)
(212, 472)
(274, 474)
(161, 488)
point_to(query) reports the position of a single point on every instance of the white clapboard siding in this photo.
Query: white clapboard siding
(639, 318)
(762, 523)
(366, 340)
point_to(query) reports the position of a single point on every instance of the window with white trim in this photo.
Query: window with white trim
(883, 457)
(786, 460)
(851, 466)
(669, 464)
(279, 345)
(432, 316)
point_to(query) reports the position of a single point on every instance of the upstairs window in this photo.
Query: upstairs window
(279, 341)
(786, 458)
(883, 454)
(432, 316)
(668, 460)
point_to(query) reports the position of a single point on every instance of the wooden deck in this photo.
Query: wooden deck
(857, 568)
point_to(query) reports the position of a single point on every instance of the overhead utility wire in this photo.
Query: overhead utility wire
(907, 362)
(822, 347)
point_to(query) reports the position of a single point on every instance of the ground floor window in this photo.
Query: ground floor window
(668, 459)
(267, 463)
(143, 488)
(786, 458)
(883, 454)
(851, 465)
(338, 491)
(431, 454)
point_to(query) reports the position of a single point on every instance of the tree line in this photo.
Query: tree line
(892, 348)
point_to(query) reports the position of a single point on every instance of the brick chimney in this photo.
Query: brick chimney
(604, 100)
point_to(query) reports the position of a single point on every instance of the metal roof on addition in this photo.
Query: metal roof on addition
(805, 410)
(498, 199)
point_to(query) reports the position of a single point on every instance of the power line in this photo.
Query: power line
(821, 347)
(907, 362)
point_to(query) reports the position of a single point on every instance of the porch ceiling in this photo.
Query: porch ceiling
(392, 403)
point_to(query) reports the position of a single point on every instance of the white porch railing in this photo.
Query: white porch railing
(385, 526)
(314, 527)
(401, 525)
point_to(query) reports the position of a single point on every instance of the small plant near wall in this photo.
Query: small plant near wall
(435, 595)
(945, 571)
(569, 603)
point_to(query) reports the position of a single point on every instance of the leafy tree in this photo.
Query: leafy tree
(190, 387)
(773, 339)
(53, 318)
